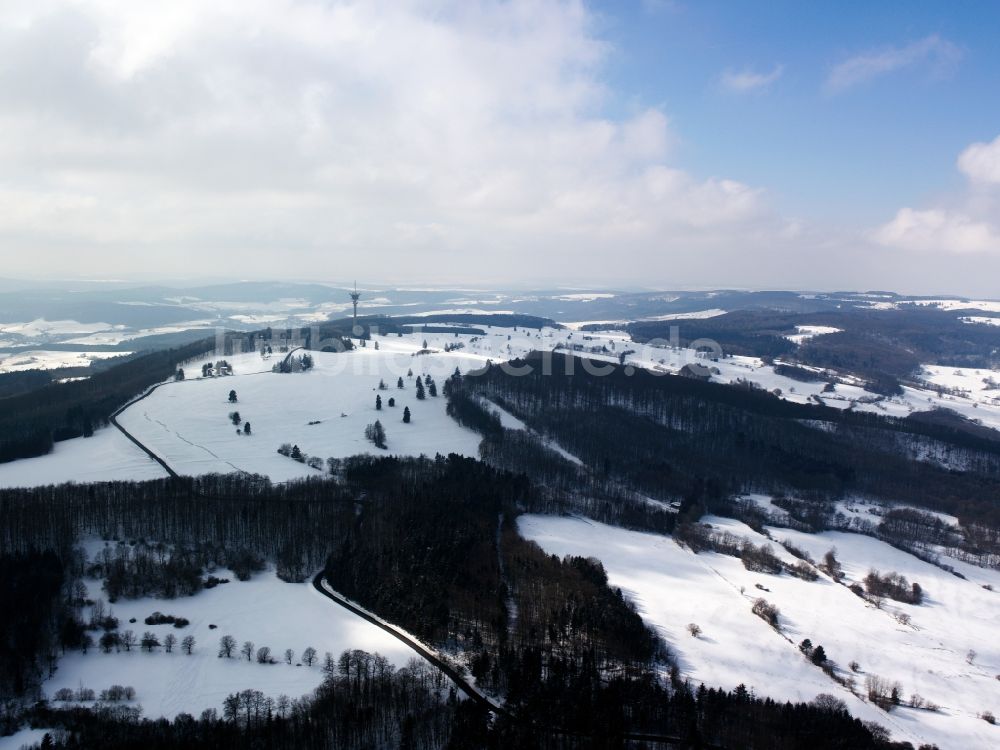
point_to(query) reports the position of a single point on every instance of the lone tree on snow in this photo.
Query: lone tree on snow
(232, 397)
(246, 428)
(406, 414)
(235, 416)
(378, 403)
(399, 382)
(227, 644)
(392, 401)
(376, 433)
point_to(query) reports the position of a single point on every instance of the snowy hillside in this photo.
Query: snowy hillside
(187, 423)
(928, 656)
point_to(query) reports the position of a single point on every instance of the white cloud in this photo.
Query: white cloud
(938, 230)
(938, 54)
(980, 162)
(749, 80)
(967, 229)
(411, 140)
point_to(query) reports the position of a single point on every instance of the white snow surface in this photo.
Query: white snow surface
(264, 610)
(22, 738)
(104, 456)
(187, 422)
(43, 327)
(673, 587)
(44, 359)
(804, 333)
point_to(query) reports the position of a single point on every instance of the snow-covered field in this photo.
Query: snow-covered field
(43, 359)
(22, 738)
(42, 327)
(804, 333)
(264, 610)
(105, 456)
(673, 587)
(187, 423)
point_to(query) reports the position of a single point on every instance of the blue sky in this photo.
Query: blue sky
(864, 150)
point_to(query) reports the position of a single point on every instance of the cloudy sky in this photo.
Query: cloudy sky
(655, 143)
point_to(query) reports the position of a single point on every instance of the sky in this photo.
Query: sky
(646, 144)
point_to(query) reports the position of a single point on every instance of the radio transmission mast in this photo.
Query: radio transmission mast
(355, 296)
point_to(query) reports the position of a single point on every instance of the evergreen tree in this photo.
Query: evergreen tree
(392, 401)
(819, 656)
(378, 402)
(420, 390)
(406, 414)
(399, 382)
(179, 375)
(232, 397)
(246, 428)
(376, 433)
(432, 389)
(297, 454)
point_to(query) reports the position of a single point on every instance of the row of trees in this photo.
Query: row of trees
(149, 642)
(249, 650)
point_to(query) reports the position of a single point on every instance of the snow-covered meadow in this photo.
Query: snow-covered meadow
(106, 456)
(264, 610)
(43, 359)
(673, 587)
